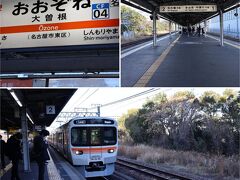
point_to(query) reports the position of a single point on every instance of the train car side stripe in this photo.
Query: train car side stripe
(87, 150)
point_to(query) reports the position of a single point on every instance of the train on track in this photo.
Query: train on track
(88, 142)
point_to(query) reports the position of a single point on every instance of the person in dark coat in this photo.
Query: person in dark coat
(2, 145)
(41, 154)
(199, 30)
(15, 154)
(203, 31)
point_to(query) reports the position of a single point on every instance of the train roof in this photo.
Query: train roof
(87, 118)
(92, 117)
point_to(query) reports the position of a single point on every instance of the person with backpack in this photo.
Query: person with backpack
(14, 153)
(2, 145)
(40, 152)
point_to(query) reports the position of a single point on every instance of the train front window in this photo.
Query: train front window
(109, 136)
(93, 136)
(79, 136)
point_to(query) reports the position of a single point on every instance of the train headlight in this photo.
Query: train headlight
(78, 152)
(111, 151)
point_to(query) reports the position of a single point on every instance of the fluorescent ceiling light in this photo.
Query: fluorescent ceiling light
(16, 98)
(30, 119)
(19, 103)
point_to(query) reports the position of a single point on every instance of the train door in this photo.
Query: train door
(80, 139)
(96, 147)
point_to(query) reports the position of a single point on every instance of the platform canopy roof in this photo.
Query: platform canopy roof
(183, 18)
(35, 101)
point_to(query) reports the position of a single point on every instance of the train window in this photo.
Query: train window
(109, 136)
(79, 136)
(95, 138)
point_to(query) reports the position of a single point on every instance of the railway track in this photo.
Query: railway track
(140, 41)
(152, 173)
(134, 43)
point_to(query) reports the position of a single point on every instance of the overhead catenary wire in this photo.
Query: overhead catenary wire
(78, 99)
(150, 96)
(88, 97)
(120, 100)
(130, 97)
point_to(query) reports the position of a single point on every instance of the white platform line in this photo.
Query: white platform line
(141, 47)
(233, 45)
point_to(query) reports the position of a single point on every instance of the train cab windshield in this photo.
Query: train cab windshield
(93, 136)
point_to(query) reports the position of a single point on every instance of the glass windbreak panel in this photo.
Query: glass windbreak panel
(109, 136)
(79, 137)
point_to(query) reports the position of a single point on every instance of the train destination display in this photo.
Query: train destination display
(42, 23)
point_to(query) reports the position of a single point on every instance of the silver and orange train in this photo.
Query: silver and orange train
(90, 143)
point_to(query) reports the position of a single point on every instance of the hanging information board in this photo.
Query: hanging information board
(188, 8)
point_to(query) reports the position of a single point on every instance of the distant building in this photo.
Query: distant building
(231, 23)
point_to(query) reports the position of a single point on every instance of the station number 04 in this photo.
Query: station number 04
(100, 11)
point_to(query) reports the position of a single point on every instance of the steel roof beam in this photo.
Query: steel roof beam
(182, 18)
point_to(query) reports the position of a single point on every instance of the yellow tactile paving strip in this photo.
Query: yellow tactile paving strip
(143, 81)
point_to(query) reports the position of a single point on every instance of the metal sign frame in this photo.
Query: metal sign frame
(101, 57)
(188, 8)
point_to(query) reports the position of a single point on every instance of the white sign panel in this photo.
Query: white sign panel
(40, 23)
(50, 109)
(188, 8)
(38, 128)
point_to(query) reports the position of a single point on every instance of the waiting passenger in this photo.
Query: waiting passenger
(189, 30)
(14, 153)
(199, 31)
(40, 150)
(193, 30)
(2, 145)
(203, 31)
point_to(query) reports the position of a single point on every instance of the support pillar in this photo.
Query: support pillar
(154, 28)
(170, 29)
(175, 27)
(98, 109)
(221, 28)
(237, 17)
(26, 159)
(205, 28)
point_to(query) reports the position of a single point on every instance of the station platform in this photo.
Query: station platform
(183, 61)
(56, 169)
(32, 175)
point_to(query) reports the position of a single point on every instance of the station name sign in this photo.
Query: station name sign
(188, 8)
(41, 23)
